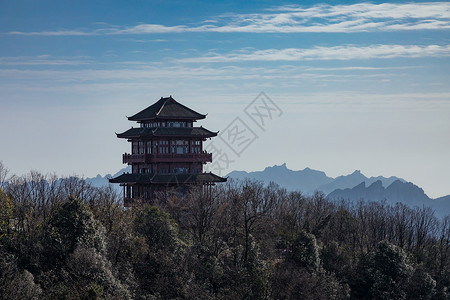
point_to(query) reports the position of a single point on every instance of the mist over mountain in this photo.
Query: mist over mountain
(403, 192)
(351, 180)
(99, 181)
(351, 187)
(308, 180)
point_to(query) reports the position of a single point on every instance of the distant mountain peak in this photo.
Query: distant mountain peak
(398, 183)
(306, 180)
(398, 191)
(309, 180)
(377, 184)
(276, 167)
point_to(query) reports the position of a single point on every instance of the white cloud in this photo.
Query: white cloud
(54, 33)
(369, 10)
(42, 60)
(362, 17)
(140, 75)
(328, 53)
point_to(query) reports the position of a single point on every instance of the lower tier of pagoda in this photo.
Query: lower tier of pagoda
(145, 187)
(133, 178)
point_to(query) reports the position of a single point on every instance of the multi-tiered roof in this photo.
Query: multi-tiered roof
(167, 151)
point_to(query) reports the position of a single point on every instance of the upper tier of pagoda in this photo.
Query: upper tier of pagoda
(166, 109)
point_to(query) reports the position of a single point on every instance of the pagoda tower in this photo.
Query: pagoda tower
(166, 152)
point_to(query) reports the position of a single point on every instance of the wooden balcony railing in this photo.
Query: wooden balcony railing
(158, 158)
(133, 158)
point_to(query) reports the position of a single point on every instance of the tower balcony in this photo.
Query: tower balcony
(166, 158)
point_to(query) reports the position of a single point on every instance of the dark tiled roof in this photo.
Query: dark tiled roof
(131, 178)
(167, 131)
(187, 178)
(167, 108)
(167, 178)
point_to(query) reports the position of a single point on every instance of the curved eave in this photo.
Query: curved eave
(131, 178)
(211, 177)
(125, 135)
(181, 135)
(191, 132)
(178, 179)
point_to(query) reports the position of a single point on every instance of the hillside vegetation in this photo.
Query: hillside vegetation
(61, 238)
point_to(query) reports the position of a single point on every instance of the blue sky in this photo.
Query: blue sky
(361, 85)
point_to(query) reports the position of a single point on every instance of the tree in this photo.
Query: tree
(15, 283)
(159, 271)
(304, 252)
(70, 226)
(91, 276)
(3, 175)
(75, 250)
(243, 240)
(421, 286)
(289, 282)
(256, 204)
(383, 274)
(6, 215)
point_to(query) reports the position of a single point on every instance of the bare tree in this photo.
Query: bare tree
(3, 175)
(257, 203)
(424, 226)
(444, 244)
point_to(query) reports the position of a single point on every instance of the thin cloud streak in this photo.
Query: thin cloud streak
(440, 10)
(55, 33)
(42, 60)
(362, 17)
(141, 71)
(328, 53)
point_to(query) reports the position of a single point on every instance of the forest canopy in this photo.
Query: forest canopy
(61, 238)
